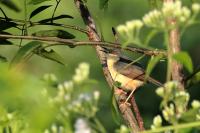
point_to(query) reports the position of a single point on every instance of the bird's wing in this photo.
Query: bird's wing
(130, 70)
(133, 71)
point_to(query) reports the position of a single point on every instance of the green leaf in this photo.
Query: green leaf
(10, 4)
(3, 59)
(152, 63)
(189, 116)
(38, 10)
(24, 51)
(54, 33)
(55, 18)
(6, 25)
(51, 55)
(103, 4)
(35, 2)
(195, 79)
(185, 60)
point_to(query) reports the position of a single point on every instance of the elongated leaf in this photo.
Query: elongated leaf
(10, 4)
(55, 33)
(185, 60)
(152, 63)
(51, 55)
(25, 51)
(3, 59)
(55, 18)
(35, 2)
(38, 10)
(6, 24)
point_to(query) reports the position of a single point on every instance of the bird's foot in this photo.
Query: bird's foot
(123, 106)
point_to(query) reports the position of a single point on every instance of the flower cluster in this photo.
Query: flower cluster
(71, 100)
(170, 11)
(131, 30)
(174, 103)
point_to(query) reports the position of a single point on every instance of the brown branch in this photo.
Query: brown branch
(174, 47)
(74, 43)
(93, 36)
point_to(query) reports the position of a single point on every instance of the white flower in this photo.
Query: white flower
(81, 126)
(82, 72)
(157, 121)
(54, 128)
(195, 7)
(96, 95)
(160, 91)
(68, 85)
(195, 104)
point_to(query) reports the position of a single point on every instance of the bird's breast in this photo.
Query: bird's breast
(126, 82)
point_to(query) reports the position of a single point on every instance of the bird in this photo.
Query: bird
(129, 75)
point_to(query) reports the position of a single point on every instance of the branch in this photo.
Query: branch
(74, 43)
(93, 36)
(174, 47)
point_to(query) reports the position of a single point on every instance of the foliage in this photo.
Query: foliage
(29, 105)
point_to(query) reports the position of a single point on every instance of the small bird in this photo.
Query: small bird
(130, 75)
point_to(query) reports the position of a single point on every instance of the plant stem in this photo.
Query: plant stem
(25, 18)
(54, 11)
(169, 71)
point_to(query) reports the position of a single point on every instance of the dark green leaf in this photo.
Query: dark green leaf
(5, 42)
(103, 4)
(55, 18)
(152, 63)
(194, 79)
(55, 33)
(51, 55)
(3, 59)
(185, 60)
(10, 5)
(24, 51)
(6, 24)
(38, 10)
(35, 2)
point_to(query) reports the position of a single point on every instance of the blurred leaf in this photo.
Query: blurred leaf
(103, 4)
(6, 24)
(25, 51)
(10, 4)
(38, 10)
(189, 116)
(114, 108)
(185, 60)
(5, 42)
(194, 79)
(3, 59)
(54, 33)
(152, 63)
(51, 55)
(35, 2)
(55, 18)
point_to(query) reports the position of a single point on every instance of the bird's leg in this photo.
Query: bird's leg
(129, 96)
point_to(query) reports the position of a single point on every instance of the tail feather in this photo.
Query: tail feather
(156, 82)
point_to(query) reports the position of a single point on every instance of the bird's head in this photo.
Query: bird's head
(112, 53)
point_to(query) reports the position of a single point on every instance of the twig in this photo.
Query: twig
(93, 36)
(74, 43)
(137, 114)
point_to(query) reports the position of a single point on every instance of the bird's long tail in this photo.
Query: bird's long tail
(156, 82)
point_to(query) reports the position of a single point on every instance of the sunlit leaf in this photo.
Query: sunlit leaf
(10, 4)
(185, 60)
(51, 55)
(25, 51)
(6, 24)
(55, 33)
(35, 2)
(55, 18)
(152, 63)
(3, 59)
(38, 10)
